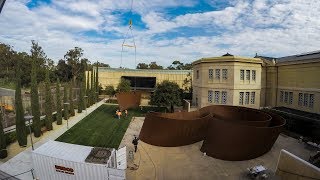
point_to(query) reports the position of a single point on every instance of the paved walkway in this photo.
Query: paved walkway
(23, 162)
(187, 162)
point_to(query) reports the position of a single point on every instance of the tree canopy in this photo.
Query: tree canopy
(152, 65)
(124, 85)
(177, 65)
(167, 93)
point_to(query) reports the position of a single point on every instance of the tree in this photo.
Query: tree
(92, 88)
(177, 65)
(20, 122)
(6, 62)
(48, 105)
(187, 87)
(88, 84)
(73, 59)
(109, 90)
(97, 83)
(83, 84)
(187, 83)
(167, 93)
(154, 65)
(63, 71)
(36, 54)
(142, 66)
(80, 98)
(87, 100)
(3, 144)
(124, 85)
(101, 64)
(58, 100)
(71, 106)
(65, 100)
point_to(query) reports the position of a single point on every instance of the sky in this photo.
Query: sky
(163, 30)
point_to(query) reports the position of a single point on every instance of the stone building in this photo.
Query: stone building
(290, 81)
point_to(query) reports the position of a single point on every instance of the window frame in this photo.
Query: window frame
(224, 74)
(210, 94)
(311, 100)
(281, 96)
(242, 74)
(248, 75)
(224, 97)
(216, 97)
(217, 74)
(300, 99)
(241, 96)
(290, 97)
(210, 74)
(247, 97)
(253, 97)
(306, 99)
(253, 74)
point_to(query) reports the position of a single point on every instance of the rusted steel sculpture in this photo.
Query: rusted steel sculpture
(128, 100)
(229, 132)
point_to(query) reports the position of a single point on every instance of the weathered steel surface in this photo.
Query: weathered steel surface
(128, 100)
(229, 132)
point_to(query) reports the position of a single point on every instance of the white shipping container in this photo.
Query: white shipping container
(56, 160)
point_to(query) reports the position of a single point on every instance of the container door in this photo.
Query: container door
(121, 155)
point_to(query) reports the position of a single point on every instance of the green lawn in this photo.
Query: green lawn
(101, 128)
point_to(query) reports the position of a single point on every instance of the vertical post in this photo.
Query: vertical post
(28, 118)
(30, 135)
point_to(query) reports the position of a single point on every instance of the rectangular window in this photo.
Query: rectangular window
(248, 75)
(253, 97)
(300, 102)
(311, 101)
(247, 98)
(210, 73)
(241, 74)
(197, 74)
(241, 98)
(290, 97)
(224, 97)
(253, 75)
(217, 74)
(216, 96)
(286, 96)
(306, 99)
(224, 74)
(210, 96)
(281, 96)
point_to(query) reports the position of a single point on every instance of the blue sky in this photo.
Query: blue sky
(164, 31)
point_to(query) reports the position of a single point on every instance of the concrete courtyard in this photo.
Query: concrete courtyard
(187, 162)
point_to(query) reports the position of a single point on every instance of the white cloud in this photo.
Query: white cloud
(274, 28)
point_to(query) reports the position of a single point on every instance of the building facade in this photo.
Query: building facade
(143, 80)
(112, 76)
(227, 80)
(290, 81)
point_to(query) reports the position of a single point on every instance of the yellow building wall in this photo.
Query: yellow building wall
(299, 78)
(109, 76)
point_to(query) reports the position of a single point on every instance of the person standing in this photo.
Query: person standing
(119, 114)
(126, 112)
(135, 143)
(117, 111)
